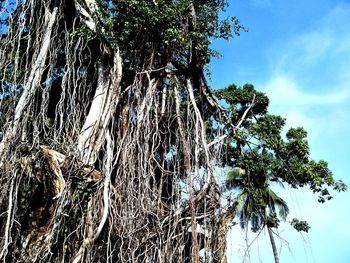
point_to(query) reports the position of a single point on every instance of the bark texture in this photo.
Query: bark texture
(273, 245)
(105, 154)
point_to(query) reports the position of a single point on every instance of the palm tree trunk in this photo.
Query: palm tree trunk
(273, 245)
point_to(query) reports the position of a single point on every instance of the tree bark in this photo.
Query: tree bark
(33, 81)
(135, 207)
(101, 111)
(273, 245)
(221, 235)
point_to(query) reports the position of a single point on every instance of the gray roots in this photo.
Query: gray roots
(93, 169)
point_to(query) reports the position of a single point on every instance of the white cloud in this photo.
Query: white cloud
(284, 91)
(318, 58)
(309, 84)
(295, 119)
(323, 115)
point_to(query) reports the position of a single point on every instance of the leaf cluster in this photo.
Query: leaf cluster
(263, 152)
(172, 29)
(259, 154)
(300, 225)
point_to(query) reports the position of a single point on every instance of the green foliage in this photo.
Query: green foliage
(166, 27)
(239, 99)
(272, 220)
(259, 207)
(300, 225)
(82, 195)
(139, 24)
(236, 173)
(25, 194)
(266, 156)
(82, 32)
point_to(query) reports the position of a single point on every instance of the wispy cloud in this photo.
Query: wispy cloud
(317, 59)
(286, 91)
(309, 80)
(309, 84)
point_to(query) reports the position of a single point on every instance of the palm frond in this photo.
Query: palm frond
(282, 206)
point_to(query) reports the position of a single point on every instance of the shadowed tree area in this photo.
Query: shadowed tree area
(112, 142)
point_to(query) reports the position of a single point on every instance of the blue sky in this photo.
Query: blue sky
(298, 52)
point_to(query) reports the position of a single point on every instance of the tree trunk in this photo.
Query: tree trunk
(273, 245)
(33, 81)
(102, 109)
(113, 161)
(223, 227)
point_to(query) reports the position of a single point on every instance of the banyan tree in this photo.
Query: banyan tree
(112, 139)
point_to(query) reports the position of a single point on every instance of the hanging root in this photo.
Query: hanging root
(105, 155)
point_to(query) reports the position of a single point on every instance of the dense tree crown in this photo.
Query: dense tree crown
(113, 144)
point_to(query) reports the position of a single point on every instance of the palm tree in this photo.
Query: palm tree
(257, 204)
